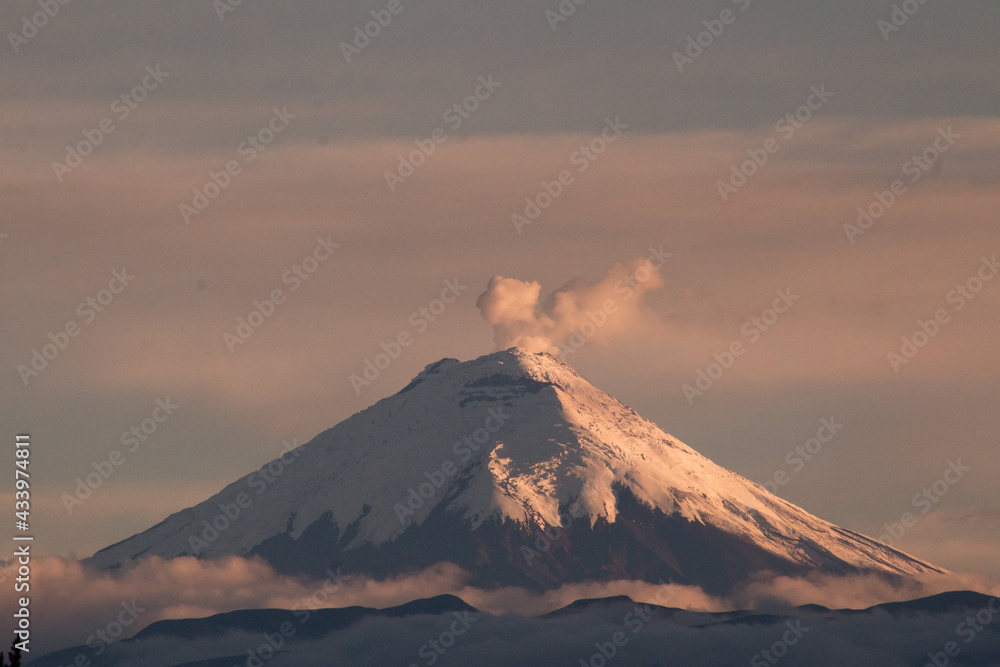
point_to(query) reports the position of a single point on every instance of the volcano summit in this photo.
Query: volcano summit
(522, 473)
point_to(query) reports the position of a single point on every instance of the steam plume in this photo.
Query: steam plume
(577, 312)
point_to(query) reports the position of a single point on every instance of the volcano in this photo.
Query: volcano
(514, 468)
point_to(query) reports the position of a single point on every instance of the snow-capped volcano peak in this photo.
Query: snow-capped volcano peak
(481, 454)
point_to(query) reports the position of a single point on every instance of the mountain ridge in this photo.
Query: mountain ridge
(356, 635)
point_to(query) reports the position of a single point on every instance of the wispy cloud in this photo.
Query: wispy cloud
(72, 602)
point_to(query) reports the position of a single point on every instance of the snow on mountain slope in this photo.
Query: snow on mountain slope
(509, 439)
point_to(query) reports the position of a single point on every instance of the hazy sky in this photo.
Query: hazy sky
(265, 99)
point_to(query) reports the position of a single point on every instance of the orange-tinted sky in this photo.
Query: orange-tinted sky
(338, 127)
